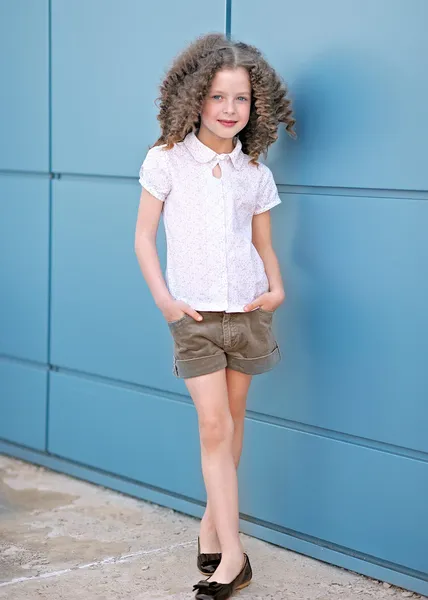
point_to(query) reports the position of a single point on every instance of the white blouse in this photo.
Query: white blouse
(212, 263)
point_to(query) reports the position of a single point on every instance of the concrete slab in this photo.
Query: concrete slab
(70, 540)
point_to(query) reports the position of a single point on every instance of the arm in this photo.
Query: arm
(262, 241)
(149, 213)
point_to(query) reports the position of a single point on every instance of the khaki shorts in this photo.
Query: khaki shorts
(242, 341)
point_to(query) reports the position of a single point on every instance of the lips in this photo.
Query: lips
(227, 123)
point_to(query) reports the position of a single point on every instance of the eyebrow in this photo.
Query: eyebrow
(238, 94)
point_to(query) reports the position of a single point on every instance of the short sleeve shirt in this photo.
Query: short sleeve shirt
(212, 264)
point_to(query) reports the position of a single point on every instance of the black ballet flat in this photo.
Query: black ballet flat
(207, 563)
(206, 590)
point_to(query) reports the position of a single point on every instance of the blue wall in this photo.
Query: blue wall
(335, 463)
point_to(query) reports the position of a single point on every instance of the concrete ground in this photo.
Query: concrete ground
(70, 540)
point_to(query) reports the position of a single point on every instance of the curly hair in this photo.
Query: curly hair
(188, 81)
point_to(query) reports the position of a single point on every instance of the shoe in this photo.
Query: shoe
(206, 590)
(207, 563)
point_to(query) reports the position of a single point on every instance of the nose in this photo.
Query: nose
(229, 109)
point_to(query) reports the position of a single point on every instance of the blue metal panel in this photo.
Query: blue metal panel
(353, 329)
(366, 501)
(148, 438)
(104, 86)
(104, 319)
(24, 266)
(359, 81)
(24, 77)
(23, 404)
(324, 489)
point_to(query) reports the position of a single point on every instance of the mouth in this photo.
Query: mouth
(227, 123)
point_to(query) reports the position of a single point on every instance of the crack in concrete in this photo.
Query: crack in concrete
(105, 561)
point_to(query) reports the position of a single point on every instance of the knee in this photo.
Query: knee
(238, 415)
(216, 431)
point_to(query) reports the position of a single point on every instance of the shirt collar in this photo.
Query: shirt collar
(203, 154)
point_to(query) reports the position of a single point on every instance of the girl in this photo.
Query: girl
(220, 107)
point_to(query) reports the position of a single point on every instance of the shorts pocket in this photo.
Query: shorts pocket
(178, 321)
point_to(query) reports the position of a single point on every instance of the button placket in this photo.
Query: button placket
(220, 197)
(225, 221)
(216, 185)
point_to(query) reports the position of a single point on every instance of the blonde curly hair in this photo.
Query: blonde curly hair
(188, 81)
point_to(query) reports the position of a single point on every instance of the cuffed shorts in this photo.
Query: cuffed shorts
(242, 341)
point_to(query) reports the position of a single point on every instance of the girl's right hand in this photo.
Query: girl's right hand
(176, 309)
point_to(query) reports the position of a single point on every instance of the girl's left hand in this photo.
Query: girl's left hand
(268, 301)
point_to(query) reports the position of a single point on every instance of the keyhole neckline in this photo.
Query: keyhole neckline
(219, 169)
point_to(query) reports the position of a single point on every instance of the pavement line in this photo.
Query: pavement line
(106, 561)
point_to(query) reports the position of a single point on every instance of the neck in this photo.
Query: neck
(216, 143)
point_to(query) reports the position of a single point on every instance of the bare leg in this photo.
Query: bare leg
(238, 385)
(234, 388)
(209, 393)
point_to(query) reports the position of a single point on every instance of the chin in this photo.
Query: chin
(226, 132)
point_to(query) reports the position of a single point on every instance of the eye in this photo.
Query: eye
(216, 96)
(242, 98)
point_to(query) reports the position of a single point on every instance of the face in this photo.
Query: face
(226, 108)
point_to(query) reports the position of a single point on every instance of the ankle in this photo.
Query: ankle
(233, 555)
(209, 542)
